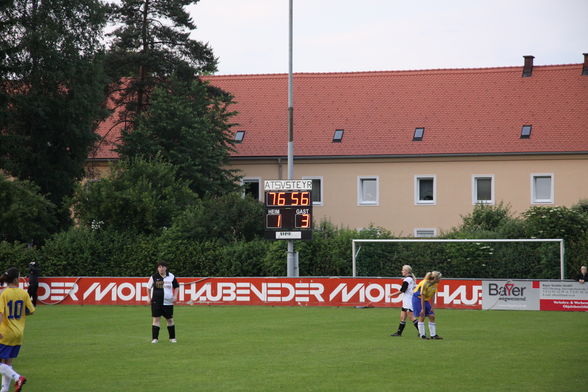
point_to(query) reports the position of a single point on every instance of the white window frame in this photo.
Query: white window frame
(534, 200)
(475, 189)
(322, 202)
(418, 177)
(360, 201)
(416, 230)
(252, 179)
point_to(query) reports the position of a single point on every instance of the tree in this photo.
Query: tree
(25, 214)
(167, 109)
(188, 127)
(556, 222)
(51, 92)
(138, 196)
(152, 43)
(228, 218)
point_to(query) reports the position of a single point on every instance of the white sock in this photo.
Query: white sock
(7, 371)
(421, 328)
(432, 328)
(5, 383)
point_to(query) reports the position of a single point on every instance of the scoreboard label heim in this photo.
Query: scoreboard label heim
(288, 209)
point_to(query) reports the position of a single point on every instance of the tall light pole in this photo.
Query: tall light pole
(292, 256)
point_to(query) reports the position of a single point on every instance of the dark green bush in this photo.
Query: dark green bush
(140, 196)
(19, 255)
(227, 218)
(103, 252)
(25, 214)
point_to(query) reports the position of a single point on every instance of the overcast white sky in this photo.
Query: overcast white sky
(251, 36)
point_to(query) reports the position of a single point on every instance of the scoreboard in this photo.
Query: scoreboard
(288, 209)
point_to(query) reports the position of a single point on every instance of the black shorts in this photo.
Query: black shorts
(159, 309)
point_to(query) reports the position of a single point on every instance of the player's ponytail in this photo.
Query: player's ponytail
(9, 276)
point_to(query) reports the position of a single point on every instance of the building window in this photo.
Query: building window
(251, 187)
(338, 135)
(425, 189)
(542, 188)
(483, 189)
(317, 190)
(239, 136)
(367, 191)
(424, 233)
(418, 134)
(526, 131)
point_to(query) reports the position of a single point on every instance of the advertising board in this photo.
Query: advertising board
(359, 292)
(564, 295)
(462, 294)
(510, 295)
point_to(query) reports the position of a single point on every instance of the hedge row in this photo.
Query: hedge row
(86, 252)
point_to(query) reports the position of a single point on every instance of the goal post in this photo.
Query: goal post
(356, 246)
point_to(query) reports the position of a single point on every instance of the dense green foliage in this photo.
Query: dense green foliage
(167, 111)
(17, 254)
(150, 44)
(51, 92)
(225, 218)
(491, 260)
(139, 196)
(25, 214)
(222, 237)
(267, 348)
(188, 126)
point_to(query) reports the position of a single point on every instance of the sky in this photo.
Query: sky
(251, 36)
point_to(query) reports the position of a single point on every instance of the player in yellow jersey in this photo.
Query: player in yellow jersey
(422, 298)
(15, 305)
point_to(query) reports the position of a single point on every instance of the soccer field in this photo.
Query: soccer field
(107, 348)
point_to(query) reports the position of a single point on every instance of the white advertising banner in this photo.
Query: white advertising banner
(510, 295)
(564, 295)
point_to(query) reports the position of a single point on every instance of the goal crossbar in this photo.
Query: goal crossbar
(354, 253)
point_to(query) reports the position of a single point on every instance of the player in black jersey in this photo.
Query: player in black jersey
(163, 292)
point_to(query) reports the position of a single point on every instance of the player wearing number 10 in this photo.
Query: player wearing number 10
(15, 305)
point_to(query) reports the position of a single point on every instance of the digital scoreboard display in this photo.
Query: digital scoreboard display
(288, 209)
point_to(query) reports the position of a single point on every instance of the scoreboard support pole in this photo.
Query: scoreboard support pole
(292, 258)
(292, 261)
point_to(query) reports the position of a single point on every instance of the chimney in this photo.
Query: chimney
(528, 67)
(585, 66)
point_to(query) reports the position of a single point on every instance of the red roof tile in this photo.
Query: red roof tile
(109, 131)
(463, 111)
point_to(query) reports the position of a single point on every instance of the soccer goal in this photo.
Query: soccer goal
(466, 258)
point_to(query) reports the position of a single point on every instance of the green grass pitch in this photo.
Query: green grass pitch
(232, 348)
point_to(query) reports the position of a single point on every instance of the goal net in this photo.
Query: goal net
(461, 258)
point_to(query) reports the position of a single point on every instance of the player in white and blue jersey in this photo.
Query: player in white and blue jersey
(408, 285)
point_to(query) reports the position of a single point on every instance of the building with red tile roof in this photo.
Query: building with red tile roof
(504, 124)
(463, 111)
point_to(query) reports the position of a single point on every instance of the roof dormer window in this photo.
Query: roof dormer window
(526, 131)
(418, 134)
(338, 135)
(239, 135)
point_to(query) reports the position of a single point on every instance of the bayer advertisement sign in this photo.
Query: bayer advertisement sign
(510, 295)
